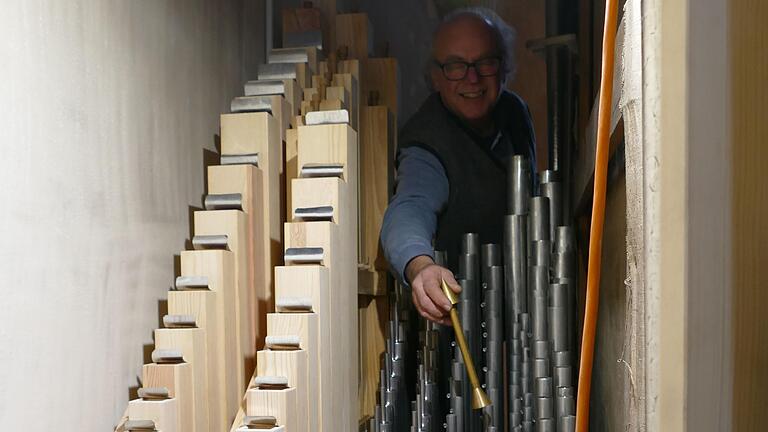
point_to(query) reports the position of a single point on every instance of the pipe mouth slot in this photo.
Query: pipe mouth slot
(275, 71)
(242, 159)
(283, 343)
(270, 382)
(179, 321)
(139, 425)
(314, 118)
(230, 201)
(189, 283)
(293, 304)
(204, 242)
(154, 393)
(322, 213)
(244, 104)
(167, 356)
(264, 88)
(259, 422)
(313, 170)
(304, 255)
(288, 55)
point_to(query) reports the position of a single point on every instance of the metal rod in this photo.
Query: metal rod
(479, 398)
(519, 185)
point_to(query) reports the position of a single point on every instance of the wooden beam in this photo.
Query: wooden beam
(305, 326)
(249, 133)
(354, 31)
(291, 166)
(380, 76)
(191, 343)
(247, 181)
(280, 404)
(318, 192)
(377, 145)
(293, 365)
(177, 378)
(165, 413)
(237, 295)
(373, 313)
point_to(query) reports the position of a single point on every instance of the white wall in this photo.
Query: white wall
(106, 110)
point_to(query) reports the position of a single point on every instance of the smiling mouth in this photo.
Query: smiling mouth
(473, 95)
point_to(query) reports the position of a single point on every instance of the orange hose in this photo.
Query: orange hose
(598, 217)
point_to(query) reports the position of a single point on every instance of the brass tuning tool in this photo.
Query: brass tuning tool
(479, 398)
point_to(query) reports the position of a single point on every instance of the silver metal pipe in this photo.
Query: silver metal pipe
(264, 88)
(541, 250)
(544, 408)
(243, 159)
(242, 104)
(202, 242)
(490, 255)
(567, 423)
(539, 226)
(519, 185)
(553, 191)
(232, 201)
(562, 376)
(470, 243)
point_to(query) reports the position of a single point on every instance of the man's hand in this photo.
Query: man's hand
(425, 277)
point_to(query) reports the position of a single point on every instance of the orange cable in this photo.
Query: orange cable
(598, 216)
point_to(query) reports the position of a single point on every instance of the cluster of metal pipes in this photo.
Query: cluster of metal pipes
(391, 410)
(540, 283)
(517, 311)
(520, 297)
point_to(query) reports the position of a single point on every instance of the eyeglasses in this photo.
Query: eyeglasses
(457, 70)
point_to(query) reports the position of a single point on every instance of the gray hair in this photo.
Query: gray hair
(503, 33)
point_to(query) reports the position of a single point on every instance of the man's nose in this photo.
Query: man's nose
(472, 75)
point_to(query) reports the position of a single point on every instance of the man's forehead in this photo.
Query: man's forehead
(465, 36)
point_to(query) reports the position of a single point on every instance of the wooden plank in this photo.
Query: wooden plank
(291, 166)
(247, 181)
(250, 133)
(331, 105)
(305, 326)
(371, 282)
(749, 209)
(191, 343)
(299, 20)
(331, 143)
(218, 312)
(338, 93)
(312, 281)
(231, 223)
(380, 75)
(352, 85)
(280, 404)
(354, 31)
(293, 97)
(377, 144)
(177, 378)
(204, 305)
(373, 313)
(339, 258)
(293, 365)
(165, 413)
(317, 192)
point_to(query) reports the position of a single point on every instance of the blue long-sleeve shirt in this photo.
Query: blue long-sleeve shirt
(410, 221)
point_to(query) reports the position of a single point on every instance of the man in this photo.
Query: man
(452, 156)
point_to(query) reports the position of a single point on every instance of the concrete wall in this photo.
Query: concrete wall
(107, 109)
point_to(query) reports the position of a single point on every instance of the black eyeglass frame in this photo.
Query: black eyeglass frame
(467, 65)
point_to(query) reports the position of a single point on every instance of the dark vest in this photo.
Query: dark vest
(477, 176)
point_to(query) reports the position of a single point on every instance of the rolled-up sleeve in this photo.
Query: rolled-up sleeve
(410, 222)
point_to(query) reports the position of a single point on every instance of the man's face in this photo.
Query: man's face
(472, 98)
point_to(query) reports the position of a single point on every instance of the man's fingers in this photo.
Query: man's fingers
(426, 303)
(435, 293)
(425, 314)
(451, 281)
